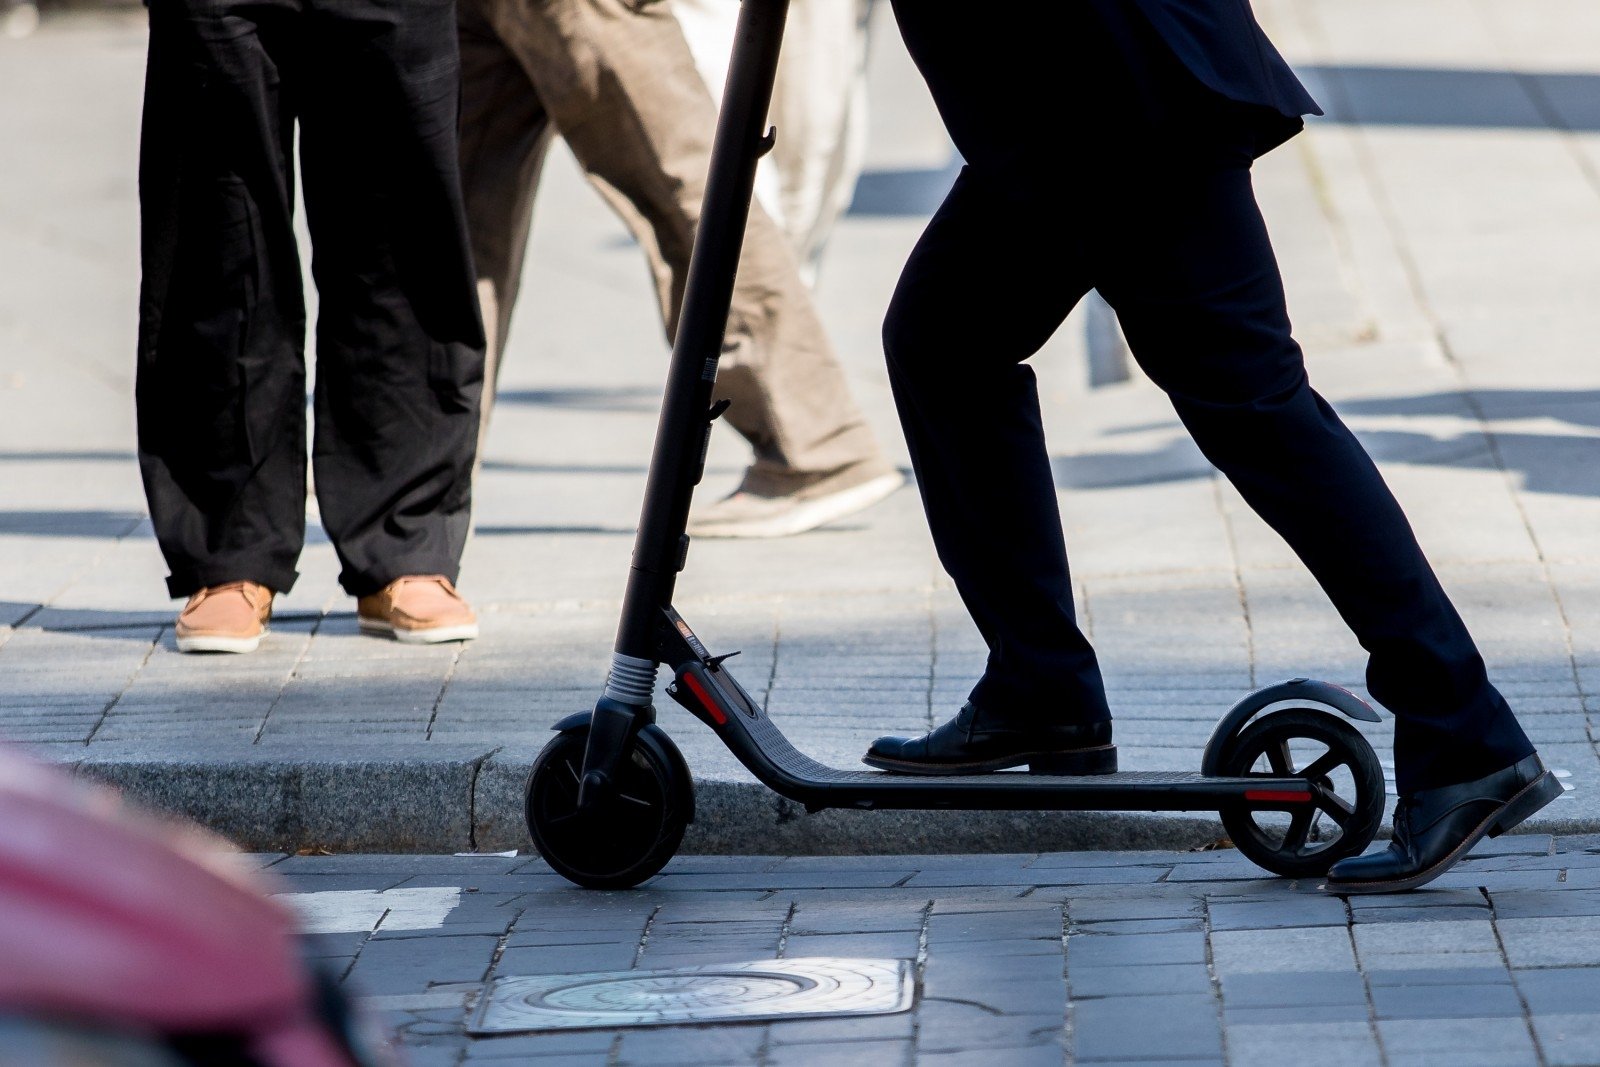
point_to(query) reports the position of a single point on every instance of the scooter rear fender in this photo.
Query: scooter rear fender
(1299, 691)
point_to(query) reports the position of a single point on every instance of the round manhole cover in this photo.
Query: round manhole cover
(686, 992)
(765, 989)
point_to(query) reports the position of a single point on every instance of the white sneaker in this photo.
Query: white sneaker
(746, 514)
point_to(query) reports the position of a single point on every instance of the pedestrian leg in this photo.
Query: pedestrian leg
(221, 381)
(971, 306)
(505, 136)
(621, 87)
(1190, 270)
(399, 342)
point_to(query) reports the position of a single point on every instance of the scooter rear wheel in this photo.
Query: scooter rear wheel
(1346, 780)
(625, 840)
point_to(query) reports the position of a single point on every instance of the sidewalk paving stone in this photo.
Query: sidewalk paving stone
(1032, 1056)
(1172, 1026)
(1317, 948)
(854, 1054)
(1293, 989)
(899, 1027)
(1413, 946)
(1139, 926)
(987, 927)
(1430, 913)
(1421, 1040)
(1299, 1014)
(1336, 1044)
(1475, 1001)
(1552, 941)
(1273, 913)
(412, 966)
(1568, 1040)
(977, 971)
(1561, 991)
(1122, 950)
(691, 1047)
(1127, 980)
(1444, 975)
(1037, 995)
(955, 1026)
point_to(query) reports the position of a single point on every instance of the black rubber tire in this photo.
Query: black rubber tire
(632, 838)
(1268, 736)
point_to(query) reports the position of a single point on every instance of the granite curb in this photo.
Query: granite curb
(461, 798)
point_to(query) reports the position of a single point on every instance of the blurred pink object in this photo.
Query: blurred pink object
(120, 921)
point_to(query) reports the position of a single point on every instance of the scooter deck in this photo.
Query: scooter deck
(758, 743)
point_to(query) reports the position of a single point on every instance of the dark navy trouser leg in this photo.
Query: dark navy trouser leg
(971, 305)
(1190, 269)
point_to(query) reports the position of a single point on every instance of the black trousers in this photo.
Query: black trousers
(373, 86)
(1169, 232)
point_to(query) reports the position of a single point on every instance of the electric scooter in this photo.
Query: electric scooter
(609, 798)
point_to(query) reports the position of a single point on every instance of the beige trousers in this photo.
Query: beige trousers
(819, 106)
(615, 78)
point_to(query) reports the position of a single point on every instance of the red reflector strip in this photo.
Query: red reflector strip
(1284, 796)
(706, 702)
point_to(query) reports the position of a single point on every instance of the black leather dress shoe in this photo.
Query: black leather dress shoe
(1435, 827)
(964, 745)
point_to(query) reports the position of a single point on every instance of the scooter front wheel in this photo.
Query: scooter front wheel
(1344, 779)
(628, 837)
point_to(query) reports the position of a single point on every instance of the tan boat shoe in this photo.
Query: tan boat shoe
(781, 514)
(418, 609)
(231, 617)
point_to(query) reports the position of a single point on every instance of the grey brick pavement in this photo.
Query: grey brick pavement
(1438, 236)
(1184, 958)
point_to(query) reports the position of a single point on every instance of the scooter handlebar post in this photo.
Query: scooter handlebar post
(741, 139)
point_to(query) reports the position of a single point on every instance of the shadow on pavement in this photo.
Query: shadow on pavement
(71, 523)
(507, 466)
(904, 193)
(1474, 99)
(67, 457)
(34, 616)
(600, 398)
(1580, 407)
(549, 531)
(1566, 464)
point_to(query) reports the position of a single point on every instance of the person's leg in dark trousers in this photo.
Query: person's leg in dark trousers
(221, 382)
(399, 343)
(975, 301)
(1188, 266)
